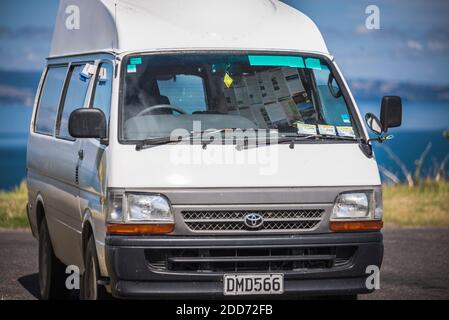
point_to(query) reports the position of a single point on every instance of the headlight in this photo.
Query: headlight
(351, 206)
(148, 208)
(358, 206)
(139, 208)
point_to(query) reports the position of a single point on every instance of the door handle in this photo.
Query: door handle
(81, 154)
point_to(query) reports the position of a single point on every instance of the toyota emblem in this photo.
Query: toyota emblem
(253, 220)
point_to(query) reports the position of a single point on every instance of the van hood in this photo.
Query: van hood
(217, 166)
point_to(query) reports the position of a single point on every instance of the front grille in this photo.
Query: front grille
(219, 260)
(279, 220)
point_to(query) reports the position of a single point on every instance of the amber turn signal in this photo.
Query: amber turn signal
(139, 229)
(372, 225)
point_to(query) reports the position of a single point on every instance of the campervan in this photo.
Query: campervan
(201, 149)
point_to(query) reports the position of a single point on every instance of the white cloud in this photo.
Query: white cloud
(415, 45)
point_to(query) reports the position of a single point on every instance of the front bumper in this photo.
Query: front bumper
(133, 276)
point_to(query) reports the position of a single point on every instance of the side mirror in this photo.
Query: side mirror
(374, 123)
(87, 123)
(391, 112)
(334, 90)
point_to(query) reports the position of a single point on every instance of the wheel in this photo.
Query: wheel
(51, 270)
(90, 289)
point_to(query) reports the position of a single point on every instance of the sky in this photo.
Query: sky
(412, 44)
(26, 28)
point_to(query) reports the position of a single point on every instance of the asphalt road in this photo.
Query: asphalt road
(416, 265)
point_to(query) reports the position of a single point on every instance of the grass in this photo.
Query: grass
(426, 205)
(12, 208)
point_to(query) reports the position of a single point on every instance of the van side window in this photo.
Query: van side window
(49, 101)
(74, 99)
(103, 89)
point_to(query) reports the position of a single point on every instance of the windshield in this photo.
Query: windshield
(291, 95)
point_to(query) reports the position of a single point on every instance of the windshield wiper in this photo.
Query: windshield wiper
(146, 143)
(209, 132)
(205, 142)
(282, 139)
(292, 139)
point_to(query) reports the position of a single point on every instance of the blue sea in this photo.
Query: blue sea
(423, 123)
(14, 124)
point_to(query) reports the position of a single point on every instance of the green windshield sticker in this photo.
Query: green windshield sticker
(313, 63)
(137, 60)
(345, 118)
(276, 61)
(132, 68)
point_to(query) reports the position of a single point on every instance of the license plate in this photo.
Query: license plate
(246, 284)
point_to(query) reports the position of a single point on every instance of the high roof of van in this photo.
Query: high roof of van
(88, 26)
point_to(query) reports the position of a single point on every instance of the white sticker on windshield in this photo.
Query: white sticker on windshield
(327, 130)
(345, 132)
(309, 129)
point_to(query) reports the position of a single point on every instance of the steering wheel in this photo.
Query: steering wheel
(160, 106)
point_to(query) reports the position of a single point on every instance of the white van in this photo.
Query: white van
(201, 148)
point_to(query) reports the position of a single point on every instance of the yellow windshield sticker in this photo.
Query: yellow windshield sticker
(345, 131)
(327, 130)
(309, 129)
(228, 80)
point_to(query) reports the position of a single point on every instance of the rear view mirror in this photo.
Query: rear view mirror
(373, 123)
(333, 86)
(391, 112)
(87, 123)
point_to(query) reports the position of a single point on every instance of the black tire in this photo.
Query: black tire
(90, 289)
(51, 270)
